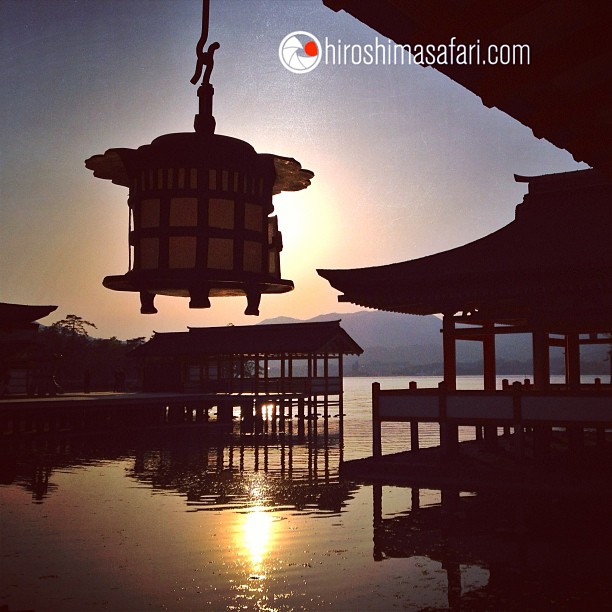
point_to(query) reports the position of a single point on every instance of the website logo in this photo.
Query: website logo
(300, 52)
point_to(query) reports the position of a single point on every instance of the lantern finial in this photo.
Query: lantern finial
(204, 120)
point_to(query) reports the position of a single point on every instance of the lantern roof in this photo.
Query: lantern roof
(117, 164)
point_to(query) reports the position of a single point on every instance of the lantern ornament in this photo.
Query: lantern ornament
(200, 209)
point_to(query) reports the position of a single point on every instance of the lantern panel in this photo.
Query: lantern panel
(182, 252)
(149, 253)
(272, 265)
(221, 213)
(193, 178)
(149, 213)
(252, 256)
(253, 217)
(221, 253)
(272, 229)
(212, 179)
(184, 212)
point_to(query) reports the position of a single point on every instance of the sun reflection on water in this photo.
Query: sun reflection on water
(257, 534)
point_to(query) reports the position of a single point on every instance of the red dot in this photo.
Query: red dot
(310, 48)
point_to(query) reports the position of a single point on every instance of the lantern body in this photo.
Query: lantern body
(200, 209)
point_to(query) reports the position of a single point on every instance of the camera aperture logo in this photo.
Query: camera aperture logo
(300, 52)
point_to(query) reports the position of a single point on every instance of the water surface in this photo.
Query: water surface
(181, 521)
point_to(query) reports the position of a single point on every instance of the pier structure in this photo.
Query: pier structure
(262, 376)
(546, 274)
(299, 364)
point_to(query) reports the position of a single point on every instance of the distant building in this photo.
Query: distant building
(21, 359)
(305, 358)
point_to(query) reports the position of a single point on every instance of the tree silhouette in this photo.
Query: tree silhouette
(73, 326)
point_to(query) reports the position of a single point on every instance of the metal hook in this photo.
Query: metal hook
(204, 58)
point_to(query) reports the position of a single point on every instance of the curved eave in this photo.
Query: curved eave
(290, 176)
(22, 314)
(543, 257)
(113, 166)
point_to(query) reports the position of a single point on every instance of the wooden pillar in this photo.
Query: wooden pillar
(450, 352)
(266, 377)
(519, 429)
(488, 354)
(378, 554)
(309, 379)
(541, 359)
(256, 373)
(326, 387)
(376, 425)
(541, 382)
(572, 361)
(300, 416)
(341, 403)
(414, 435)
(415, 498)
(449, 432)
(282, 374)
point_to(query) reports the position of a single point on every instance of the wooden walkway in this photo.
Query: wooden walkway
(102, 411)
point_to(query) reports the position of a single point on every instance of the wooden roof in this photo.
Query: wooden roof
(563, 95)
(293, 338)
(553, 260)
(16, 316)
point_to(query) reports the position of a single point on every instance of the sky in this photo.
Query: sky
(407, 163)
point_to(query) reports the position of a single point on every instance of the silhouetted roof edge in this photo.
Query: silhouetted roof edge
(281, 338)
(559, 244)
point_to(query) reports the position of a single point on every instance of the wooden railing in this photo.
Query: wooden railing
(515, 407)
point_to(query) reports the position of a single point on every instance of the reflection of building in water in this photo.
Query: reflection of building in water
(243, 471)
(270, 469)
(530, 550)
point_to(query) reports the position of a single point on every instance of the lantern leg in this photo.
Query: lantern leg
(199, 297)
(146, 303)
(253, 299)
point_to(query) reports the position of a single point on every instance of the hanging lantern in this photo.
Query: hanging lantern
(200, 210)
